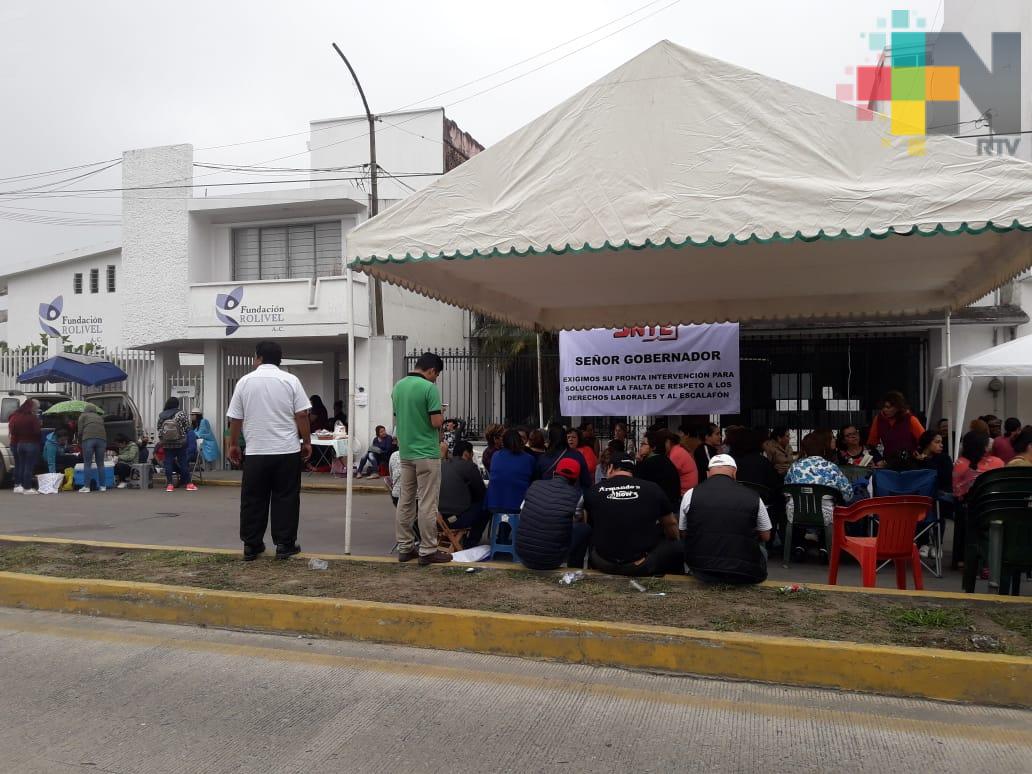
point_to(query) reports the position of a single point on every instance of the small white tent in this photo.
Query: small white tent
(1011, 359)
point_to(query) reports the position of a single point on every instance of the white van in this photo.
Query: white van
(120, 417)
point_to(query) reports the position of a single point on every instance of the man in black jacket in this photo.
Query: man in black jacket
(550, 532)
(461, 501)
(723, 524)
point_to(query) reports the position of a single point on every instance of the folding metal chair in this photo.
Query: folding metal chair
(197, 470)
(923, 483)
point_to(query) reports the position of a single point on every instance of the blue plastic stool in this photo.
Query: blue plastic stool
(507, 546)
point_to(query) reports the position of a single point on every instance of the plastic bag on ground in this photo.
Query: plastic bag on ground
(50, 483)
(477, 554)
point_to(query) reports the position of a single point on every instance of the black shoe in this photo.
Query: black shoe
(285, 552)
(251, 552)
(799, 554)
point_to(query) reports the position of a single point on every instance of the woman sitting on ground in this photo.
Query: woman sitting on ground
(852, 452)
(512, 470)
(559, 448)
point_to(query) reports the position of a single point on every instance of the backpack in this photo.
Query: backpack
(171, 434)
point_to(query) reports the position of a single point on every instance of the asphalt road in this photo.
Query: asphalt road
(96, 695)
(210, 517)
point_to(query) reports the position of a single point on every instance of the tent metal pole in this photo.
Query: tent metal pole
(351, 410)
(946, 385)
(541, 394)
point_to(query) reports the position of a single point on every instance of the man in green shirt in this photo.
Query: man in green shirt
(417, 411)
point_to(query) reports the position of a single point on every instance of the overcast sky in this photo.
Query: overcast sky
(83, 81)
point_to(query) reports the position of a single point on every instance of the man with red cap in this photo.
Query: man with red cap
(551, 530)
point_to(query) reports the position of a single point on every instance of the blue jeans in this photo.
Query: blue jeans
(372, 459)
(26, 457)
(178, 458)
(93, 453)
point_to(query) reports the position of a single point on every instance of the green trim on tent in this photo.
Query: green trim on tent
(821, 235)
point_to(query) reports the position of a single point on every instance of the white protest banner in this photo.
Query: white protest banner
(656, 369)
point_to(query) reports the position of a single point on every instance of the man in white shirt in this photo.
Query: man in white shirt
(723, 524)
(271, 408)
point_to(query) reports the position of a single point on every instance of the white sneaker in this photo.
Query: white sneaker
(31, 491)
(103, 489)
(923, 551)
(19, 490)
(84, 490)
(122, 485)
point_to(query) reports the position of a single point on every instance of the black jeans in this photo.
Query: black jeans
(666, 557)
(271, 485)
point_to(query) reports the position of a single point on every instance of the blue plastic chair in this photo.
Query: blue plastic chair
(506, 545)
(892, 483)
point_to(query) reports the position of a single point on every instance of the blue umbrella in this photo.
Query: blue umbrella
(69, 367)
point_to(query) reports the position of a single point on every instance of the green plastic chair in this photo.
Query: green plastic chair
(806, 511)
(1002, 536)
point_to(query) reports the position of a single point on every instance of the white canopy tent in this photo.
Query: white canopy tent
(683, 189)
(680, 188)
(1013, 358)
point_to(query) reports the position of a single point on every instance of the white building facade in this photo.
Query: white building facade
(200, 280)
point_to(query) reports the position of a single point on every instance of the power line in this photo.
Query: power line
(446, 91)
(55, 171)
(218, 185)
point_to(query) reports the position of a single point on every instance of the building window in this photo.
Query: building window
(287, 252)
(77, 283)
(94, 280)
(110, 279)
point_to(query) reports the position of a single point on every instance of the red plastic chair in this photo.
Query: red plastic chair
(897, 519)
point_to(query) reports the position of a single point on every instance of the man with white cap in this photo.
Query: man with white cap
(723, 524)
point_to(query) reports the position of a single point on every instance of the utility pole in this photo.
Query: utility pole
(374, 200)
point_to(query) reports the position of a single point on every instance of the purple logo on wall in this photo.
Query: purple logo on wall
(227, 302)
(50, 312)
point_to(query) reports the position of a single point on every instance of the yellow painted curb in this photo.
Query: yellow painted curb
(923, 672)
(959, 596)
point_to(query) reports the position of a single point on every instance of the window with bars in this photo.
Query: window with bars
(110, 279)
(94, 280)
(77, 283)
(287, 252)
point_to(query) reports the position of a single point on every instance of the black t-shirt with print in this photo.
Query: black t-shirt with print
(624, 514)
